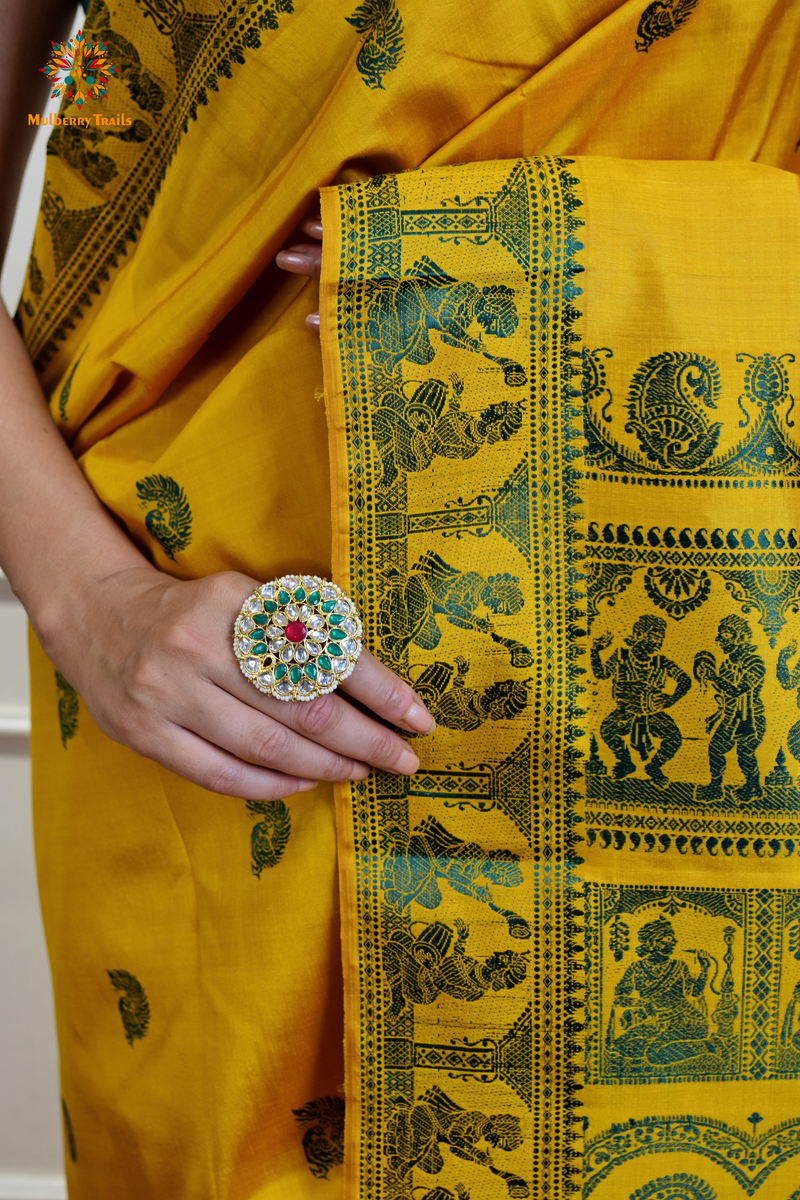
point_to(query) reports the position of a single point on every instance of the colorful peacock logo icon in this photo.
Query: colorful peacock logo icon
(79, 70)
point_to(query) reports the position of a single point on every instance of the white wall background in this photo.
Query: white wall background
(30, 1119)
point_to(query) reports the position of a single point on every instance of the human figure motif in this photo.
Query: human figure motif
(410, 433)
(420, 969)
(402, 314)
(418, 861)
(739, 720)
(790, 1036)
(415, 1132)
(788, 680)
(455, 706)
(662, 1002)
(412, 602)
(640, 674)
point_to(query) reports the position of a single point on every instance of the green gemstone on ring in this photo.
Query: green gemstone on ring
(324, 662)
(338, 634)
(270, 606)
(328, 606)
(336, 619)
(296, 674)
(336, 651)
(300, 594)
(280, 671)
(311, 671)
(284, 597)
(259, 648)
(260, 619)
(313, 598)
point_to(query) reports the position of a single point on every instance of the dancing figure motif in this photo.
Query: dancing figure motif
(641, 675)
(739, 721)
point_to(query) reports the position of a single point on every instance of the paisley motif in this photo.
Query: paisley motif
(665, 413)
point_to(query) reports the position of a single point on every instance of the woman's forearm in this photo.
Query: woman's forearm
(56, 538)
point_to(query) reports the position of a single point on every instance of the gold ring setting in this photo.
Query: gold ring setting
(297, 637)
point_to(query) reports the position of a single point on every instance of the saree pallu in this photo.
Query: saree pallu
(557, 405)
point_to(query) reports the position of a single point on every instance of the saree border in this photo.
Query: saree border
(369, 243)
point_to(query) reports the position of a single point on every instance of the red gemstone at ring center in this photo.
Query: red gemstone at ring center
(296, 631)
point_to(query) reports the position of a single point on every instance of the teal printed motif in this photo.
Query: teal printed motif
(68, 1132)
(676, 1187)
(750, 1159)
(323, 1140)
(402, 314)
(416, 1132)
(661, 19)
(419, 861)
(271, 835)
(669, 401)
(170, 520)
(412, 602)
(690, 984)
(63, 399)
(68, 709)
(422, 966)
(381, 29)
(455, 706)
(394, 325)
(412, 430)
(133, 1006)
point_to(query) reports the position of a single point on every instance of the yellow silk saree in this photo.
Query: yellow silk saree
(548, 448)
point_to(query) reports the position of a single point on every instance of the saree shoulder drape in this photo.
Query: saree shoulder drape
(556, 395)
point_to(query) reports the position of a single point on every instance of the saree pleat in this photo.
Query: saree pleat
(570, 943)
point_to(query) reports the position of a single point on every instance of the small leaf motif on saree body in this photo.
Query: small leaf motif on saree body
(323, 1140)
(661, 19)
(270, 836)
(63, 399)
(381, 29)
(68, 709)
(169, 521)
(133, 1006)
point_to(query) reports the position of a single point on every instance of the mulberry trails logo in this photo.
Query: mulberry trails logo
(79, 71)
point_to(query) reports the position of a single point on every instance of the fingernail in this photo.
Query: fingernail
(407, 763)
(313, 227)
(418, 719)
(312, 321)
(360, 771)
(297, 259)
(307, 785)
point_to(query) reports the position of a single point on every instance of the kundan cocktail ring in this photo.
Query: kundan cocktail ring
(297, 637)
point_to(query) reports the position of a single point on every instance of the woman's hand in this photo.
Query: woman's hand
(153, 662)
(305, 259)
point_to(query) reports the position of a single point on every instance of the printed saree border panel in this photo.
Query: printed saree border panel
(450, 358)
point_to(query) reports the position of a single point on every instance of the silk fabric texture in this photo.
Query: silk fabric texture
(194, 941)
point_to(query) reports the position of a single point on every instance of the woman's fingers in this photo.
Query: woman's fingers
(210, 767)
(258, 738)
(304, 259)
(389, 696)
(313, 227)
